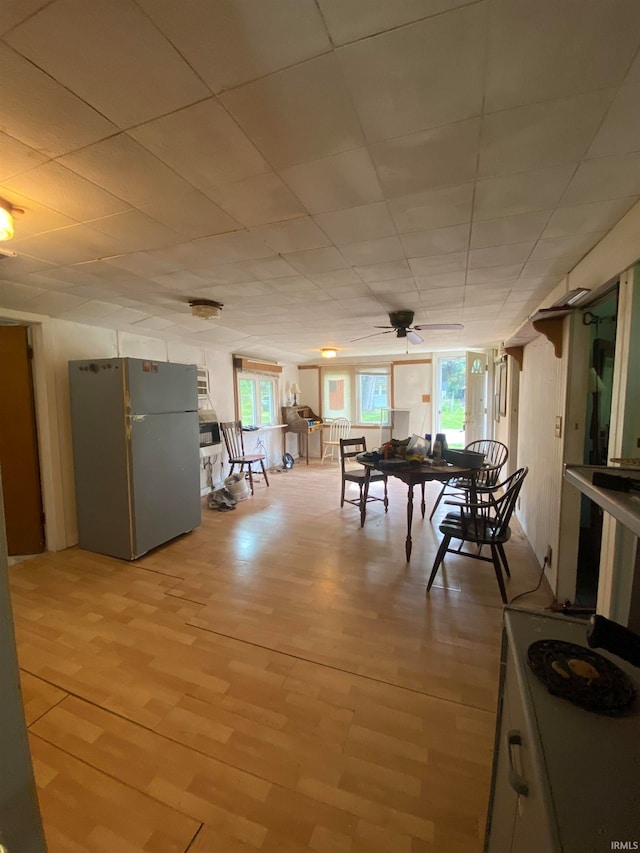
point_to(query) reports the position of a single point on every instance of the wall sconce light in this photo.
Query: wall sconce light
(205, 309)
(295, 390)
(6, 219)
(329, 352)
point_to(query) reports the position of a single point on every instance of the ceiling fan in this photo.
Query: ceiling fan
(401, 324)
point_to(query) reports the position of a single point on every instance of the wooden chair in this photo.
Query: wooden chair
(340, 428)
(482, 523)
(495, 455)
(349, 449)
(234, 442)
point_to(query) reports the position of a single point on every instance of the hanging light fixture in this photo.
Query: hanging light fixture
(205, 309)
(6, 219)
(329, 352)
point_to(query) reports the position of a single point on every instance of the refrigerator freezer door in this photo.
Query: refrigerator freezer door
(165, 477)
(159, 386)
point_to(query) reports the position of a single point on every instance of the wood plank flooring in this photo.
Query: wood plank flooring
(275, 681)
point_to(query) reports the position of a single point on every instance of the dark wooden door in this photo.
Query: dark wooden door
(19, 466)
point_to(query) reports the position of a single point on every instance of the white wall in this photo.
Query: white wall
(56, 342)
(542, 393)
(543, 396)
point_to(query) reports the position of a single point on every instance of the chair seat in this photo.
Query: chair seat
(249, 457)
(482, 531)
(360, 476)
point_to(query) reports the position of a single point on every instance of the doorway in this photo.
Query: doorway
(19, 460)
(451, 395)
(601, 319)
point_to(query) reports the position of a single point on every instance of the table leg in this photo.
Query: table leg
(365, 495)
(422, 503)
(408, 542)
(307, 440)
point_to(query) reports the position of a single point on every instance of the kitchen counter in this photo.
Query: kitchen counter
(582, 769)
(623, 506)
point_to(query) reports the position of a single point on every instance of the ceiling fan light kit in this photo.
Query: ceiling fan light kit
(205, 309)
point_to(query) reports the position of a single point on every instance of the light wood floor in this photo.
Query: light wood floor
(276, 680)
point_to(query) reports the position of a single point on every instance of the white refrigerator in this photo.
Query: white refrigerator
(136, 453)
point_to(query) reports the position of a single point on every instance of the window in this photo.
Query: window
(361, 394)
(257, 396)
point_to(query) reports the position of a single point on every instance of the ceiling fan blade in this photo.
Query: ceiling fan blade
(375, 334)
(414, 337)
(440, 326)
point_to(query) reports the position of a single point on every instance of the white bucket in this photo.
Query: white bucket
(238, 487)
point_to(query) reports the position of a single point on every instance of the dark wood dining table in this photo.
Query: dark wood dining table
(413, 474)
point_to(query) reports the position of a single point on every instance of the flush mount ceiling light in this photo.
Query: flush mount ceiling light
(205, 309)
(329, 352)
(6, 219)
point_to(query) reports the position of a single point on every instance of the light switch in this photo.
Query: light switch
(558, 427)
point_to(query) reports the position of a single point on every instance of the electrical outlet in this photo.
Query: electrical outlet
(548, 556)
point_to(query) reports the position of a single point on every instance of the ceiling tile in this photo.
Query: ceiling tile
(509, 229)
(16, 11)
(453, 262)
(357, 224)
(384, 271)
(495, 256)
(142, 264)
(572, 245)
(373, 251)
(232, 43)
(294, 283)
(133, 231)
(69, 245)
(258, 200)
(432, 209)
(303, 113)
(424, 161)
(333, 183)
(73, 41)
(438, 241)
(127, 170)
(316, 260)
(211, 251)
(334, 278)
(583, 218)
(73, 196)
(538, 135)
(190, 214)
(388, 74)
(292, 236)
(620, 131)
(360, 18)
(443, 281)
(16, 157)
(219, 151)
(544, 50)
(481, 275)
(396, 286)
(514, 194)
(603, 179)
(41, 113)
(36, 218)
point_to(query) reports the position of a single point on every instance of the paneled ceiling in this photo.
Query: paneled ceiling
(312, 164)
